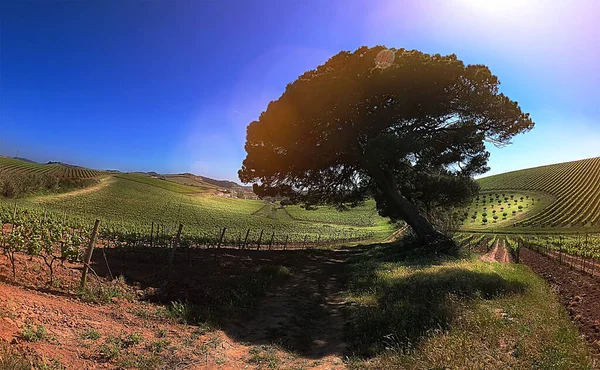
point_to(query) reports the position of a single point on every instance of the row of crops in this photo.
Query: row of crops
(575, 186)
(57, 237)
(161, 234)
(579, 251)
(10, 165)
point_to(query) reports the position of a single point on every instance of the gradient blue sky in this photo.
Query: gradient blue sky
(169, 86)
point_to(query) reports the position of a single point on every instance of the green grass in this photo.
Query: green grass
(410, 311)
(575, 186)
(365, 215)
(134, 201)
(34, 333)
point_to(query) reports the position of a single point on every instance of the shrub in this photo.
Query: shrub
(34, 334)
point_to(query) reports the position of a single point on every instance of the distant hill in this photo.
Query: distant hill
(58, 169)
(574, 185)
(206, 183)
(25, 160)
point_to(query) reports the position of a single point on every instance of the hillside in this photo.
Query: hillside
(61, 170)
(136, 201)
(574, 189)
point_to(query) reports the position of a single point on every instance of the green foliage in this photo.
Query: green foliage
(106, 293)
(392, 133)
(34, 333)
(91, 334)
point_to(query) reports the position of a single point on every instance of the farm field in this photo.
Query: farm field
(575, 187)
(10, 165)
(501, 209)
(134, 202)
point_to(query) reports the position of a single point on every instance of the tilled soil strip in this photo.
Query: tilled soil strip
(578, 292)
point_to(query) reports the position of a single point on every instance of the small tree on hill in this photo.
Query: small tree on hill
(409, 132)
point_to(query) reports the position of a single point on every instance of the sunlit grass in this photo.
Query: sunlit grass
(413, 312)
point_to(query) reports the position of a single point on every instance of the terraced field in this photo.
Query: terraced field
(10, 165)
(575, 187)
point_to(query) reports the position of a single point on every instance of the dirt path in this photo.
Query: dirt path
(498, 254)
(304, 316)
(104, 182)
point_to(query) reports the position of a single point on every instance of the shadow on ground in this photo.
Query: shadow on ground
(297, 299)
(399, 299)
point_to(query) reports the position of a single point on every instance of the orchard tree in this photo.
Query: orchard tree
(403, 127)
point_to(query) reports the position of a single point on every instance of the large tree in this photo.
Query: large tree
(402, 126)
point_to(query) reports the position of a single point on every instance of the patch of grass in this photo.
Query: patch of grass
(131, 339)
(91, 334)
(232, 298)
(12, 360)
(141, 362)
(412, 312)
(112, 348)
(105, 294)
(34, 333)
(264, 357)
(159, 345)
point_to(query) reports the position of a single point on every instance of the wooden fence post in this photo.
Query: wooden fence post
(221, 238)
(175, 245)
(88, 254)
(246, 239)
(152, 235)
(271, 242)
(285, 243)
(259, 240)
(304, 244)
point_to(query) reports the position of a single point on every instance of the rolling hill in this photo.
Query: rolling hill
(574, 189)
(58, 169)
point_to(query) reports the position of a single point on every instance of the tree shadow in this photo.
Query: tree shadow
(402, 311)
(242, 293)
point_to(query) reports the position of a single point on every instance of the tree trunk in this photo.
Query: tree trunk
(408, 211)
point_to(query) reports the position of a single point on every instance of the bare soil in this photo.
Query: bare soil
(577, 291)
(298, 324)
(498, 254)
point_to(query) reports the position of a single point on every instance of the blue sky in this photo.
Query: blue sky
(170, 86)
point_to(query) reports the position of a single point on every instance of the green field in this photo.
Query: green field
(132, 202)
(502, 209)
(575, 187)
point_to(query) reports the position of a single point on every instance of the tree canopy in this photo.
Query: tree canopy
(402, 126)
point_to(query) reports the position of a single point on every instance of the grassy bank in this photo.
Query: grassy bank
(415, 312)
